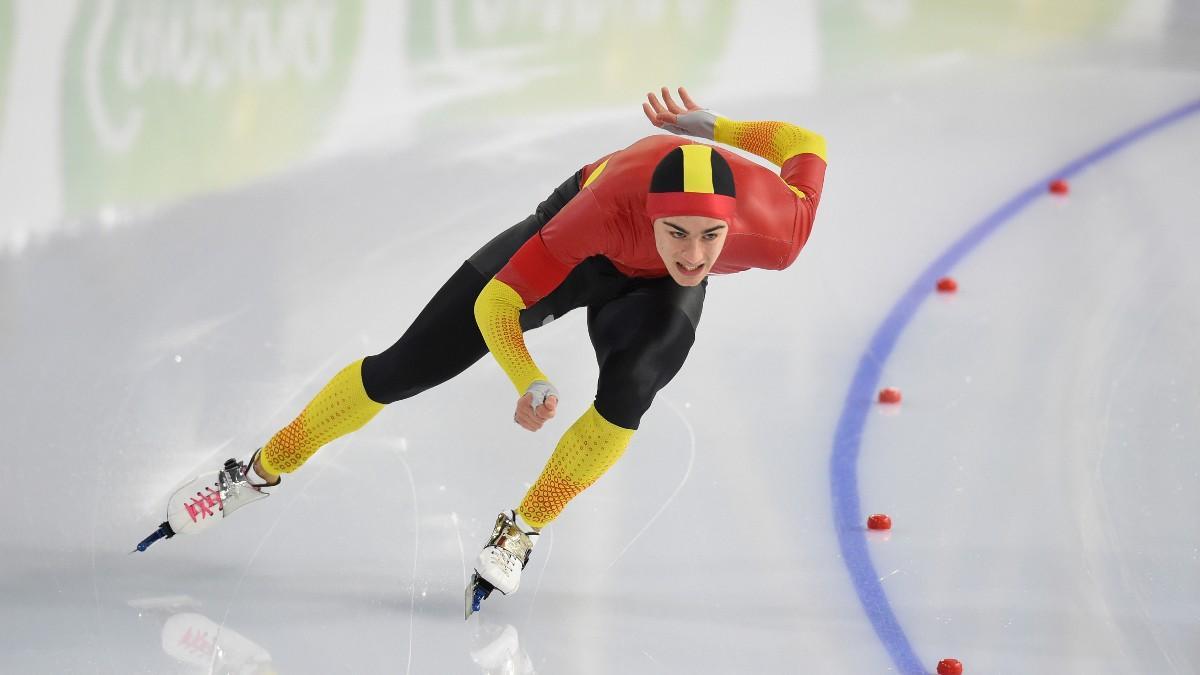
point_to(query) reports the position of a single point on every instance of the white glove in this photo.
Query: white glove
(541, 390)
(700, 123)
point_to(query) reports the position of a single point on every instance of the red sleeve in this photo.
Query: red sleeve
(575, 233)
(806, 173)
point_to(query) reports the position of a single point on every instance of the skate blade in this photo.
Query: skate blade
(164, 531)
(477, 591)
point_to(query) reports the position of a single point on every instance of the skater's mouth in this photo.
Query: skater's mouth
(690, 270)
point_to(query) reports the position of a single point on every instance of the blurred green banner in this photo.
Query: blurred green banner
(165, 99)
(863, 32)
(525, 55)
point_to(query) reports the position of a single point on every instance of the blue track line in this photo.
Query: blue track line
(847, 440)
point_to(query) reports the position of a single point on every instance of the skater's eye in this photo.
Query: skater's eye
(678, 235)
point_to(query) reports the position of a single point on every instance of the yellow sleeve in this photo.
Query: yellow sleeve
(776, 142)
(497, 311)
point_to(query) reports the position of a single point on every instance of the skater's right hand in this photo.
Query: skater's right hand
(537, 405)
(688, 119)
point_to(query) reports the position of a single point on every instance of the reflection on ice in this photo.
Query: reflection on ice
(197, 640)
(497, 650)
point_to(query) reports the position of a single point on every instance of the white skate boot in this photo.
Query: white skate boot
(209, 498)
(499, 565)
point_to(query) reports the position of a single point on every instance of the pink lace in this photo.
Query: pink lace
(198, 643)
(205, 504)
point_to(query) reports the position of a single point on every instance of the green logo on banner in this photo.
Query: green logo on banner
(165, 99)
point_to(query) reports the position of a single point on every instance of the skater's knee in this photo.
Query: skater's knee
(624, 410)
(625, 394)
(387, 380)
(377, 378)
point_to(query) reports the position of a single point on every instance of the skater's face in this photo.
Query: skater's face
(689, 246)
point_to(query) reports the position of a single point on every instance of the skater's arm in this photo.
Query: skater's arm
(776, 142)
(575, 233)
(799, 152)
(498, 313)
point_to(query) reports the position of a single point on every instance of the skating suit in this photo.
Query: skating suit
(589, 244)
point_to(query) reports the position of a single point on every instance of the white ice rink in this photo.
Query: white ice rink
(189, 249)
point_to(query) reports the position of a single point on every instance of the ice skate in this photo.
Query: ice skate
(499, 565)
(209, 498)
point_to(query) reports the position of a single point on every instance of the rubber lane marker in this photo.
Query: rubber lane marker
(847, 440)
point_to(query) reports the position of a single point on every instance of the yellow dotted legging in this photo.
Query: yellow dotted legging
(341, 407)
(588, 449)
(585, 452)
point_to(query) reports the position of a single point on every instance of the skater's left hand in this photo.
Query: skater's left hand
(537, 406)
(689, 118)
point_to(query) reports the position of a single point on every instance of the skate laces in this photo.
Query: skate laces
(206, 504)
(503, 558)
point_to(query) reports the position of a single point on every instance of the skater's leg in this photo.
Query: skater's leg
(342, 406)
(444, 339)
(584, 453)
(641, 340)
(442, 342)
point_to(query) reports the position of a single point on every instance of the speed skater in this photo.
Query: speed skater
(632, 237)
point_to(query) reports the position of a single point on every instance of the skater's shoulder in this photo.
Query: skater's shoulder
(637, 160)
(655, 144)
(648, 150)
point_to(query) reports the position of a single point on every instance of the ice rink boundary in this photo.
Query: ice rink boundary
(848, 519)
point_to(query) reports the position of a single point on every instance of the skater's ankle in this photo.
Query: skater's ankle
(525, 526)
(268, 478)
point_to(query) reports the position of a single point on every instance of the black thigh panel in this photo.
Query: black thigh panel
(442, 342)
(642, 339)
(444, 339)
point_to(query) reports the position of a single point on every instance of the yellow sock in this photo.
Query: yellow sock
(340, 408)
(584, 453)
